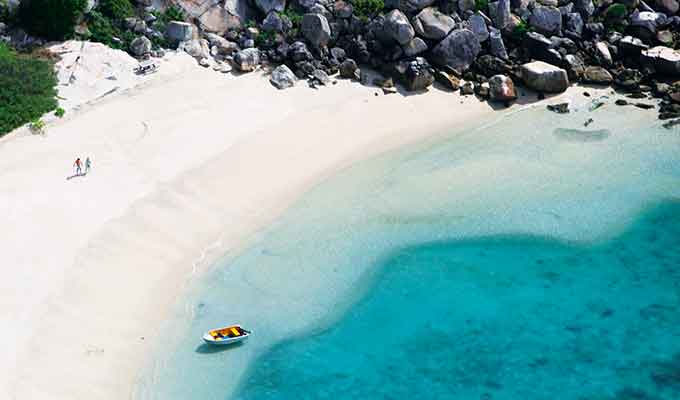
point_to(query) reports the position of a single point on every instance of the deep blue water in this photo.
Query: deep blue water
(512, 317)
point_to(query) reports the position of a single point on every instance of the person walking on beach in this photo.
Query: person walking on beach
(78, 166)
(88, 165)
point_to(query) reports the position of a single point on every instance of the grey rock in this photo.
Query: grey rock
(597, 75)
(414, 47)
(267, 6)
(467, 88)
(348, 69)
(585, 7)
(196, 48)
(502, 88)
(274, 23)
(415, 75)
(631, 46)
(298, 51)
(457, 51)
(321, 77)
(397, 27)
(338, 54)
(178, 31)
(466, 5)
(544, 78)
(316, 30)
(342, 9)
(140, 46)
(223, 46)
(664, 60)
(478, 26)
(432, 24)
(603, 53)
(648, 21)
(496, 45)
(282, 77)
(575, 66)
(670, 7)
(247, 60)
(574, 24)
(546, 20)
(500, 13)
(408, 6)
(560, 108)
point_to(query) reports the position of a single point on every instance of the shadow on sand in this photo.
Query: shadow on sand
(68, 178)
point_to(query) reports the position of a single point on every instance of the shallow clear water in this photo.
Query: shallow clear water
(524, 259)
(512, 317)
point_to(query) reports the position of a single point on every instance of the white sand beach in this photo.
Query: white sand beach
(186, 166)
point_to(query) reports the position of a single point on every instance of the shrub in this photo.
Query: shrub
(616, 12)
(520, 30)
(482, 5)
(27, 89)
(117, 10)
(37, 126)
(51, 19)
(107, 31)
(367, 8)
(59, 112)
(294, 17)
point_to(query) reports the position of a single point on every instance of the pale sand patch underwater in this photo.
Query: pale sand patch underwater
(517, 175)
(185, 169)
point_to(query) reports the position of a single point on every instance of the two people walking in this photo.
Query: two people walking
(78, 165)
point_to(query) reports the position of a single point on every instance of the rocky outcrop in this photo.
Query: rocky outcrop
(415, 75)
(457, 50)
(597, 75)
(546, 20)
(545, 78)
(282, 77)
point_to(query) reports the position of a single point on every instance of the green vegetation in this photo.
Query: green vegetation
(265, 39)
(27, 89)
(51, 19)
(171, 13)
(116, 10)
(366, 9)
(294, 17)
(482, 5)
(521, 29)
(37, 126)
(59, 112)
(108, 31)
(616, 12)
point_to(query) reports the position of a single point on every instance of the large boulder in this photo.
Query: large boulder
(501, 88)
(298, 51)
(585, 7)
(282, 77)
(664, 60)
(546, 20)
(140, 46)
(316, 29)
(432, 24)
(198, 49)
(247, 60)
(457, 51)
(397, 28)
(178, 31)
(267, 6)
(670, 7)
(543, 77)
(221, 45)
(349, 69)
(574, 24)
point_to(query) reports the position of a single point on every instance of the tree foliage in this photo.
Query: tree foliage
(27, 89)
(117, 10)
(50, 19)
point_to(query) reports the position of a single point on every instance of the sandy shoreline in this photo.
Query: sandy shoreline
(185, 169)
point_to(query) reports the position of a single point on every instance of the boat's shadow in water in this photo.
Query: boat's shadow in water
(204, 348)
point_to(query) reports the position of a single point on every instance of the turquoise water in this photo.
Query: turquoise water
(528, 258)
(512, 317)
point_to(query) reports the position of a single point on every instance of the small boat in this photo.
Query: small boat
(229, 335)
